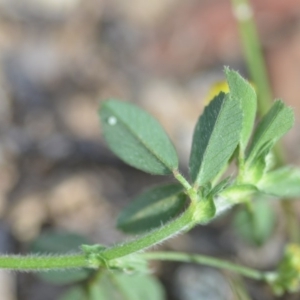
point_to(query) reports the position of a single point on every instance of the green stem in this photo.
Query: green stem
(205, 260)
(189, 190)
(39, 263)
(31, 263)
(182, 224)
(253, 53)
(182, 180)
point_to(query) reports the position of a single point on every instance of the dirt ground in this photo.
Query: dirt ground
(60, 59)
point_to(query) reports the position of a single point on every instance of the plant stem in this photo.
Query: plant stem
(182, 224)
(40, 263)
(189, 190)
(181, 179)
(205, 260)
(253, 53)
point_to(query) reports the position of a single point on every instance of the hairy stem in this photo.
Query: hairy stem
(182, 224)
(40, 263)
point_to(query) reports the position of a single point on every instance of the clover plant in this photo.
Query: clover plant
(224, 134)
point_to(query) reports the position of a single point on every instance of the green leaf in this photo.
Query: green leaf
(243, 91)
(257, 225)
(137, 138)
(272, 127)
(152, 208)
(215, 138)
(118, 286)
(208, 191)
(220, 186)
(205, 189)
(75, 293)
(106, 288)
(137, 287)
(60, 243)
(283, 182)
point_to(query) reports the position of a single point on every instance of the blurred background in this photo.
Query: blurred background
(60, 59)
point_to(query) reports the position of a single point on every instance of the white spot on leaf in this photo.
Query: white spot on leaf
(112, 121)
